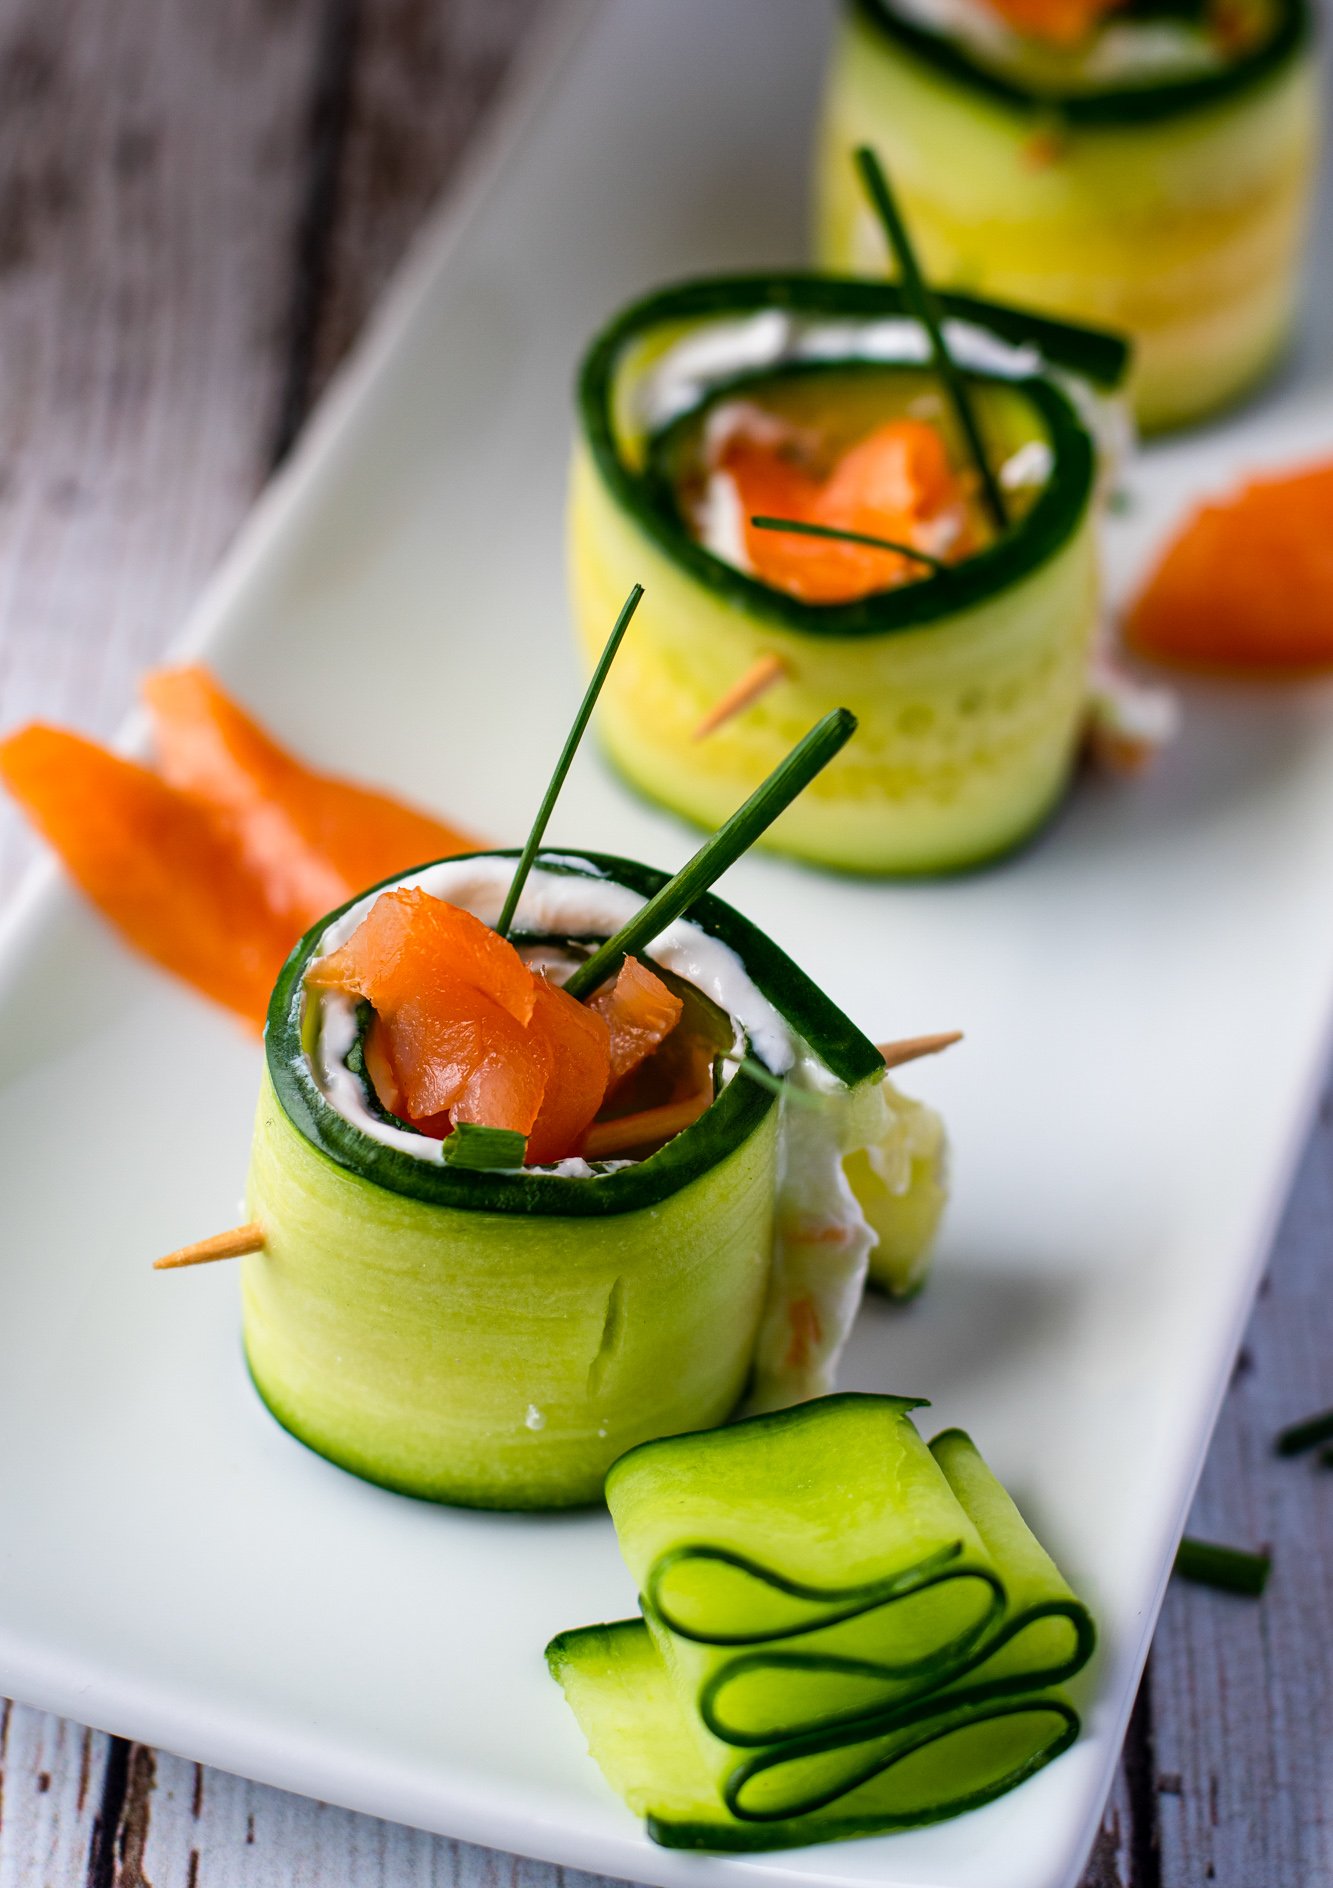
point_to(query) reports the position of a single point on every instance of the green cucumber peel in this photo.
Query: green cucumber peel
(736, 1113)
(1093, 355)
(1117, 107)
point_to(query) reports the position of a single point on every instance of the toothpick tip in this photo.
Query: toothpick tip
(236, 1243)
(763, 674)
(913, 1048)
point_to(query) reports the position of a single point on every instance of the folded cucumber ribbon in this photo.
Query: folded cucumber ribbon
(827, 1601)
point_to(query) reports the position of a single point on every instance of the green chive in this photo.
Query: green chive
(799, 528)
(482, 1148)
(1326, 1456)
(1299, 1437)
(787, 779)
(923, 305)
(562, 766)
(776, 1084)
(1229, 1569)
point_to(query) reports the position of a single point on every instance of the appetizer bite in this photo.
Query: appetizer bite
(844, 491)
(552, 1156)
(843, 1632)
(508, 1233)
(1140, 165)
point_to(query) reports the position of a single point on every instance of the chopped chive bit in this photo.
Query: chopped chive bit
(1229, 1569)
(1326, 1456)
(1298, 1437)
(484, 1149)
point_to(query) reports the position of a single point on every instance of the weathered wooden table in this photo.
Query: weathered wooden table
(198, 202)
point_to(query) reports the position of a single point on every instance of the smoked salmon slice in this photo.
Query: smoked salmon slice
(640, 1012)
(215, 866)
(312, 839)
(1248, 581)
(468, 1029)
(1060, 22)
(895, 483)
(161, 867)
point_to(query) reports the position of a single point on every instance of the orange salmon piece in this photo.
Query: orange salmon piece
(456, 1049)
(1247, 583)
(409, 941)
(1061, 22)
(312, 839)
(160, 867)
(640, 1012)
(579, 1042)
(454, 1001)
(890, 484)
(466, 1029)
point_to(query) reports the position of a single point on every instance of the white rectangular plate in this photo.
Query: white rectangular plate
(1145, 995)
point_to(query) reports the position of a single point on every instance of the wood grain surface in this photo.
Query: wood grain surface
(199, 201)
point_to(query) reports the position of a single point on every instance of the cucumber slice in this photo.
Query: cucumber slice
(1171, 208)
(844, 1631)
(969, 685)
(644, 1745)
(495, 1338)
(902, 1187)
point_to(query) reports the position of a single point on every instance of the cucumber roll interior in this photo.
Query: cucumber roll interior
(959, 639)
(508, 1235)
(1145, 165)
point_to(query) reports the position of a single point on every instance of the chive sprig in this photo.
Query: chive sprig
(921, 300)
(799, 527)
(789, 778)
(562, 766)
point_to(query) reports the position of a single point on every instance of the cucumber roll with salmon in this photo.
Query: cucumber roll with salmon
(1142, 164)
(510, 1231)
(780, 458)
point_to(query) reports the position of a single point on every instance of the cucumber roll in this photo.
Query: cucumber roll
(490, 1316)
(843, 1632)
(961, 644)
(1145, 165)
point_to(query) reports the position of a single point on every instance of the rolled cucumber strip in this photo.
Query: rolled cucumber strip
(843, 1632)
(1163, 192)
(497, 1339)
(969, 683)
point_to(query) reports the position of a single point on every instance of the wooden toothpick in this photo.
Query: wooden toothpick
(223, 1245)
(756, 681)
(912, 1048)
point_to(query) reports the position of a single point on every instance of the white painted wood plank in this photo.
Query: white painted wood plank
(151, 175)
(50, 1787)
(1242, 1692)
